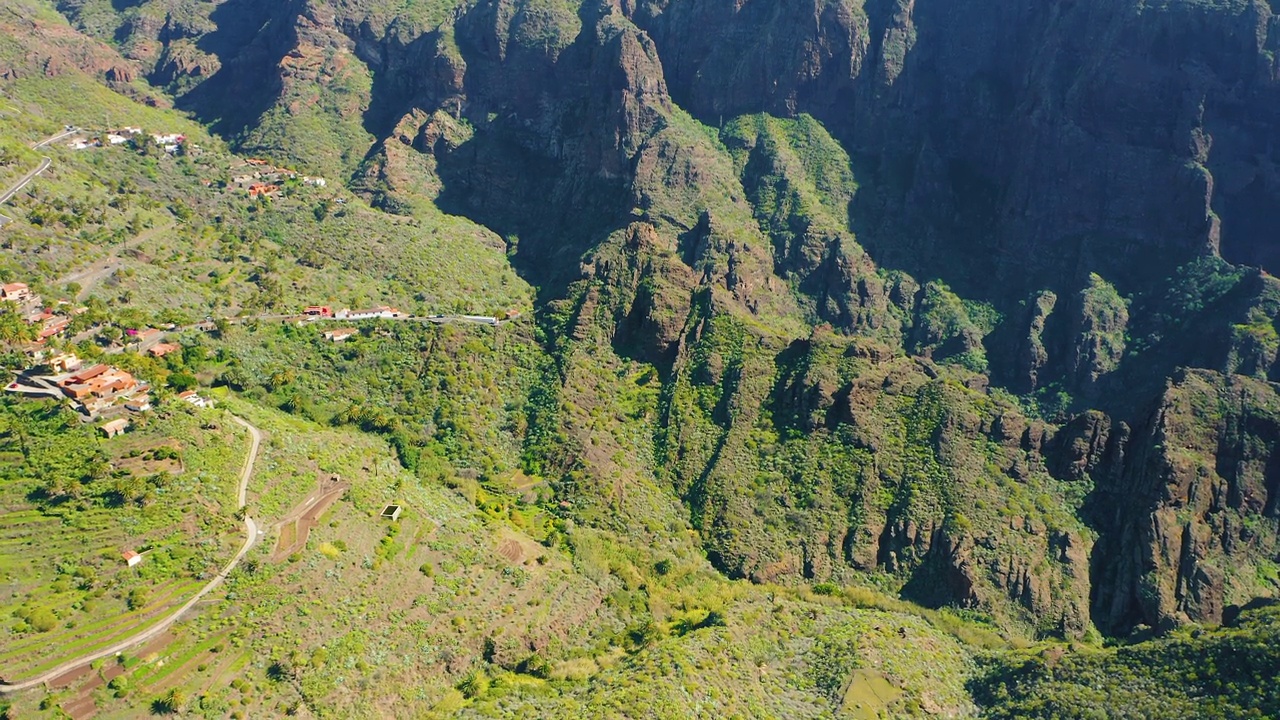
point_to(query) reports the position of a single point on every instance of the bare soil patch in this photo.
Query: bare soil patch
(295, 528)
(511, 550)
(69, 678)
(81, 708)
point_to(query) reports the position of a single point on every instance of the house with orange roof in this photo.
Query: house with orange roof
(114, 427)
(15, 292)
(162, 349)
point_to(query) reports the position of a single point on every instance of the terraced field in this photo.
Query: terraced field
(47, 651)
(65, 589)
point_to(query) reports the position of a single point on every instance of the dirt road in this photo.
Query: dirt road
(251, 536)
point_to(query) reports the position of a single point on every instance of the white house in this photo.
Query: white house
(191, 397)
(378, 312)
(340, 334)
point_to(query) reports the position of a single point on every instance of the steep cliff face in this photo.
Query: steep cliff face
(1033, 141)
(1004, 148)
(827, 459)
(1186, 503)
(36, 43)
(829, 226)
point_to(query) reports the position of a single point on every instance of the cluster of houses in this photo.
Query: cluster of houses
(94, 391)
(168, 142)
(91, 390)
(262, 179)
(390, 313)
(31, 307)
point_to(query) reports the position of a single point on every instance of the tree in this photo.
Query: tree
(645, 634)
(169, 703)
(183, 381)
(13, 329)
(475, 684)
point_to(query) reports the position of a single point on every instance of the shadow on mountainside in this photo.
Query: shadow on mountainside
(250, 39)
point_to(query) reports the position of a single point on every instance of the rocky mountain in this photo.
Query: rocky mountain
(970, 299)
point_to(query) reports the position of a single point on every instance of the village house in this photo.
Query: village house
(314, 181)
(86, 375)
(318, 311)
(54, 325)
(29, 305)
(138, 404)
(15, 293)
(162, 349)
(99, 387)
(262, 190)
(131, 558)
(382, 311)
(340, 334)
(190, 396)
(147, 338)
(114, 427)
(116, 139)
(64, 363)
(36, 352)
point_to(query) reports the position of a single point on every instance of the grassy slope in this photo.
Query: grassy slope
(623, 617)
(366, 622)
(442, 577)
(206, 243)
(1211, 674)
(63, 556)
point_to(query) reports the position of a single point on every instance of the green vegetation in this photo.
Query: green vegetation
(727, 466)
(1201, 673)
(75, 503)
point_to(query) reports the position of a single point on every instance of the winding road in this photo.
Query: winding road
(251, 536)
(45, 162)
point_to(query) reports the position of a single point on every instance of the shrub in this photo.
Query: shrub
(474, 685)
(42, 620)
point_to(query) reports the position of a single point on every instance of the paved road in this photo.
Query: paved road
(435, 319)
(45, 162)
(26, 180)
(54, 138)
(251, 536)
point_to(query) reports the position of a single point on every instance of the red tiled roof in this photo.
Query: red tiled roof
(87, 374)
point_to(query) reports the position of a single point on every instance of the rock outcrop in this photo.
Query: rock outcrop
(1186, 505)
(831, 226)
